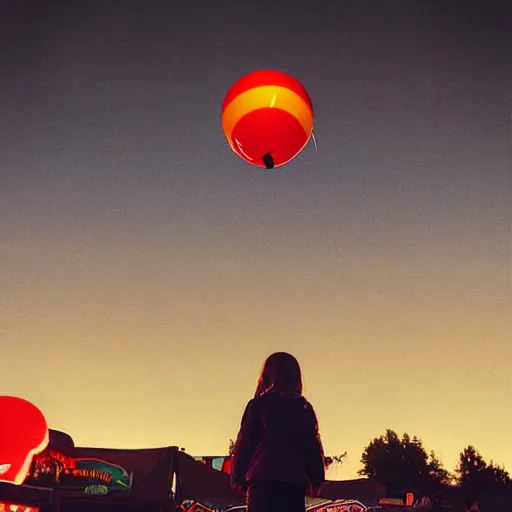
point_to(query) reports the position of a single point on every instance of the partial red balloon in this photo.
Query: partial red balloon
(23, 434)
(267, 118)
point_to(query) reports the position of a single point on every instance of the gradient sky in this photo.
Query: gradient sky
(146, 271)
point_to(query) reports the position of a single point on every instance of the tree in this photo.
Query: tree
(436, 472)
(231, 448)
(498, 476)
(478, 476)
(329, 460)
(470, 468)
(400, 462)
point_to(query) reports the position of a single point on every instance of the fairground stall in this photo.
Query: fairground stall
(135, 480)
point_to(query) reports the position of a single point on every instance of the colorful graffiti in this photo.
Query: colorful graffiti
(196, 506)
(322, 505)
(339, 506)
(312, 505)
(54, 469)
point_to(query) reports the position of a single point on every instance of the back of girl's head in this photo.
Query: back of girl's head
(280, 371)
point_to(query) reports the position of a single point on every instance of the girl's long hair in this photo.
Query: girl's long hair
(281, 371)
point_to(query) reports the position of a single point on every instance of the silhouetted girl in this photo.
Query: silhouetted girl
(278, 457)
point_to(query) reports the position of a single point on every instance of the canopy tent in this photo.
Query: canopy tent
(199, 482)
(85, 477)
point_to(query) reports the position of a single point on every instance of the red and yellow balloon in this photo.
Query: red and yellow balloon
(267, 117)
(23, 434)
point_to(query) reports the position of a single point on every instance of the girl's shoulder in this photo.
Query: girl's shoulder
(273, 394)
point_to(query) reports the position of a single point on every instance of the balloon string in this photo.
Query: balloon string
(314, 141)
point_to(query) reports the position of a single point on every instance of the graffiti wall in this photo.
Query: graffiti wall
(56, 470)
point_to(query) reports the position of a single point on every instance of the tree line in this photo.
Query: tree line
(403, 462)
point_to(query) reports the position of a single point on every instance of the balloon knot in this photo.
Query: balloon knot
(268, 161)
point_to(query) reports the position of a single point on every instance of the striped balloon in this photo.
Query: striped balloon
(267, 117)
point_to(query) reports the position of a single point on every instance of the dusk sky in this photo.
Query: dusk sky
(146, 271)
